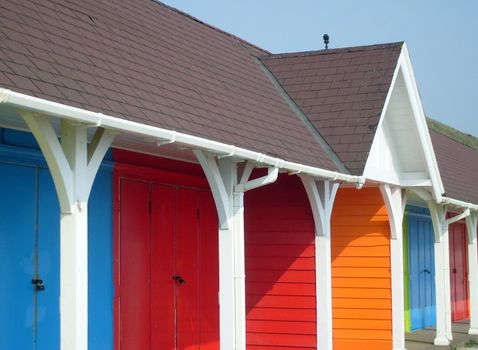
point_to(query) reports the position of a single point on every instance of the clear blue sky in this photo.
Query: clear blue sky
(442, 36)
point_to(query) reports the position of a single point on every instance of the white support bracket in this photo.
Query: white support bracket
(222, 174)
(321, 195)
(73, 165)
(395, 200)
(471, 226)
(443, 335)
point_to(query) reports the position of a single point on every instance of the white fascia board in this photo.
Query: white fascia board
(404, 67)
(412, 88)
(460, 204)
(41, 106)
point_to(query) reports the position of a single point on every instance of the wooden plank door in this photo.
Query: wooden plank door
(458, 272)
(169, 274)
(17, 267)
(422, 272)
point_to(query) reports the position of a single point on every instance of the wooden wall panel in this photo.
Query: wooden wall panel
(280, 267)
(361, 293)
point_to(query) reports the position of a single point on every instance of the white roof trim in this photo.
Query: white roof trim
(434, 183)
(42, 106)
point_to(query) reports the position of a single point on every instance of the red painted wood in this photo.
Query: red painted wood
(209, 272)
(187, 308)
(162, 261)
(458, 272)
(179, 237)
(280, 267)
(134, 265)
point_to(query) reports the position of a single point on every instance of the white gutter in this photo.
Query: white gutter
(22, 101)
(458, 203)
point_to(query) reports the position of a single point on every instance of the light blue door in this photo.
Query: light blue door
(421, 269)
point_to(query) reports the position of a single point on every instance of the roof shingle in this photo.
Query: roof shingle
(144, 61)
(458, 166)
(342, 91)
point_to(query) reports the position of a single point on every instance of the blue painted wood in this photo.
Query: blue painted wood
(100, 253)
(421, 268)
(48, 310)
(17, 251)
(17, 233)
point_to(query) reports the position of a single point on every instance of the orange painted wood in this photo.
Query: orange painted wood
(363, 344)
(280, 267)
(361, 295)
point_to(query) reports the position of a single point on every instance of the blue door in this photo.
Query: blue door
(421, 269)
(17, 261)
(29, 254)
(30, 249)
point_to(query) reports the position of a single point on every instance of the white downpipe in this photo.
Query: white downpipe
(22, 101)
(239, 251)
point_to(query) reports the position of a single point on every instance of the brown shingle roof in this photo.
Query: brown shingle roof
(342, 91)
(458, 166)
(146, 62)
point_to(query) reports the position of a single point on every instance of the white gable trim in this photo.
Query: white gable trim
(382, 165)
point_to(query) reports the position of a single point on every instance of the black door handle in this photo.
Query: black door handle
(454, 270)
(427, 271)
(39, 286)
(179, 279)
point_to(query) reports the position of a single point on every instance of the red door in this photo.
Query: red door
(168, 268)
(458, 272)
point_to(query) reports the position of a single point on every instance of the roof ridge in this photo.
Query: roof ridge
(195, 19)
(453, 134)
(334, 51)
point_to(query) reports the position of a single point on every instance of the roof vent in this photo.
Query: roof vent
(326, 40)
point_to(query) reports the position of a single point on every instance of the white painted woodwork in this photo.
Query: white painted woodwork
(471, 224)
(222, 174)
(442, 274)
(402, 153)
(395, 200)
(73, 165)
(321, 195)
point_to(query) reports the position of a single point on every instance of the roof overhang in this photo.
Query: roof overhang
(148, 139)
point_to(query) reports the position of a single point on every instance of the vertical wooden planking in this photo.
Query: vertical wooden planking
(17, 240)
(458, 271)
(186, 249)
(421, 267)
(48, 308)
(362, 310)
(163, 212)
(406, 275)
(208, 263)
(134, 265)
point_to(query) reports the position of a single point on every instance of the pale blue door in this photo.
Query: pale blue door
(421, 269)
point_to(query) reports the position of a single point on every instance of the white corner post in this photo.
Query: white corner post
(73, 165)
(321, 195)
(228, 184)
(442, 274)
(471, 225)
(395, 200)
